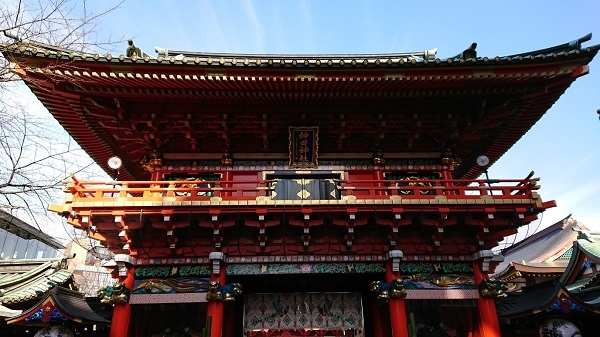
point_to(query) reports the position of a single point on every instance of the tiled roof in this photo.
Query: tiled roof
(24, 280)
(595, 302)
(527, 84)
(16, 226)
(587, 247)
(68, 303)
(73, 303)
(536, 298)
(543, 248)
(533, 297)
(567, 254)
(589, 242)
(316, 61)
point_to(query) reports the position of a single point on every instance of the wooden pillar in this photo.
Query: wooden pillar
(488, 325)
(122, 311)
(397, 308)
(214, 310)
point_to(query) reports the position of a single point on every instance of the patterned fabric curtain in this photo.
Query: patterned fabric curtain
(304, 189)
(303, 312)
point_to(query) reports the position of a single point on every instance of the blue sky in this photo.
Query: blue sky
(563, 148)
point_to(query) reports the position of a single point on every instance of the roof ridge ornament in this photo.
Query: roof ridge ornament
(306, 59)
(19, 40)
(573, 45)
(134, 50)
(469, 53)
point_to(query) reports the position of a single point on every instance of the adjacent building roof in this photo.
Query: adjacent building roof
(578, 287)
(192, 106)
(550, 296)
(59, 304)
(515, 270)
(25, 280)
(14, 225)
(541, 253)
(35, 285)
(583, 270)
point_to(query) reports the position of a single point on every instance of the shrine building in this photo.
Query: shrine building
(300, 195)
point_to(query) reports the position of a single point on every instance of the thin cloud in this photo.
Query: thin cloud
(257, 27)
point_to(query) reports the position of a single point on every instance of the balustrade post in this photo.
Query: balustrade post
(446, 176)
(227, 176)
(483, 189)
(378, 175)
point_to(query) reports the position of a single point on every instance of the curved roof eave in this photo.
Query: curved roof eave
(376, 65)
(300, 61)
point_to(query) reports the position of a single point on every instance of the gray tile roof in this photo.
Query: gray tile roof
(545, 247)
(298, 61)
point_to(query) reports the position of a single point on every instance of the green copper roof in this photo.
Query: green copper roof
(567, 255)
(23, 280)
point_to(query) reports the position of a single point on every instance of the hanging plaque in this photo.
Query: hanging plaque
(304, 146)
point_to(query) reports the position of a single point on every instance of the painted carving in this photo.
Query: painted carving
(230, 291)
(118, 293)
(398, 290)
(385, 291)
(226, 293)
(493, 288)
(170, 285)
(443, 280)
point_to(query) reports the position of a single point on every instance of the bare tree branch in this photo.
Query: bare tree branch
(36, 154)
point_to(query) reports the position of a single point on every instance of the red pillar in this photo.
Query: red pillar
(214, 308)
(397, 307)
(489, 325)
(122, 311)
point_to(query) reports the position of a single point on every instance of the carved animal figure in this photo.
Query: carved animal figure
(118, 293)
(226, 293)
(381, 290)
(214, 291)
(398, 290)
(229, 291)
(490, 287)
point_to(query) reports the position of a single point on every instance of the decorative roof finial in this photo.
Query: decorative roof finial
(133, 50)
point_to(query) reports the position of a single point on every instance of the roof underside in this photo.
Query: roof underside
(194, 108)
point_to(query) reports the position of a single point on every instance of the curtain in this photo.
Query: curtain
(304, 189)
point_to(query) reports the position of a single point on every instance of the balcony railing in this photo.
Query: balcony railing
(348, 189)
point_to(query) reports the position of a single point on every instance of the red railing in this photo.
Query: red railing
(250, 189)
